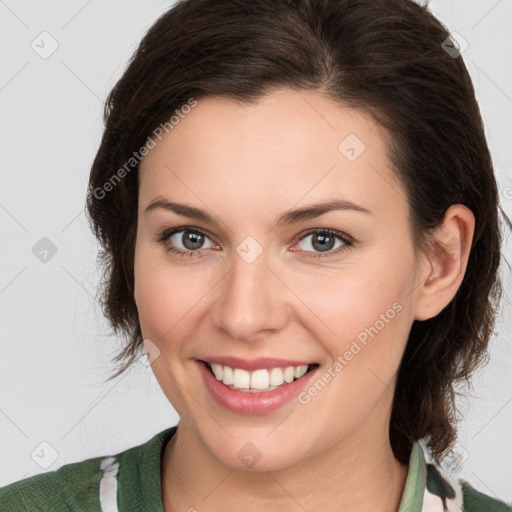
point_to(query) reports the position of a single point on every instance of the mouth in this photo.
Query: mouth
(258, 380)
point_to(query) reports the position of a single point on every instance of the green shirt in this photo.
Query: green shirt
(130, 481)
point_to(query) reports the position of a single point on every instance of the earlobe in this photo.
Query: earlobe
(446, 261)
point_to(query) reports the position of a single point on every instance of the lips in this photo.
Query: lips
(250, 401)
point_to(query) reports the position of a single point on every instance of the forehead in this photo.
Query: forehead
(288, 147)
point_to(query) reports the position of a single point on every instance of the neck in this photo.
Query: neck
(357, 475)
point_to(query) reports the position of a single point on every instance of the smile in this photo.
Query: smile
(257, 380)
(261, 387)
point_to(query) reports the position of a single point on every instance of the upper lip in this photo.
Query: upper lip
(254, 364)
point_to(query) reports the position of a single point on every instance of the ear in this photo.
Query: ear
(445, 263)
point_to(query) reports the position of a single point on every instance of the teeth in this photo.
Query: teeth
(218, 371)
(300, 371)
(228, 378)
(276, 376)
(242, 379)
(289, 374)
(260, 379)
(263, 379)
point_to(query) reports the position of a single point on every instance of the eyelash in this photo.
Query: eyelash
(347, 242)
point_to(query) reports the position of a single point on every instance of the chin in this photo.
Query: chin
(255, 453)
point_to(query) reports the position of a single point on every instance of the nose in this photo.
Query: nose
(252, 301)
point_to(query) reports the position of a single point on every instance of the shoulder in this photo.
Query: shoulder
(445, 490)
(92, 484)
(71, 487)
(475, 501)
(458, 494)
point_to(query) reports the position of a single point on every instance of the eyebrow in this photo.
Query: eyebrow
(290, 217)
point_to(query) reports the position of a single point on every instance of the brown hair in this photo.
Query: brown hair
(386, 58)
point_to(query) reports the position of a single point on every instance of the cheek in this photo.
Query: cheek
(363, 325)
(165, 297)
(346, 303)
(363, 313)
(161, 305)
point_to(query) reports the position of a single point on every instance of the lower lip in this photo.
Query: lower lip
(248, 403)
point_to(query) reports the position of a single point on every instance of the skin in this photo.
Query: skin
(246, 164)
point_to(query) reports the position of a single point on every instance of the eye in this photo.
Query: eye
(184, 241)
(190, 242)
(324, 241)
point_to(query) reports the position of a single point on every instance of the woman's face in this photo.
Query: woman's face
(259, 288)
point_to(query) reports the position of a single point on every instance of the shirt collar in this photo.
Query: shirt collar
(429, 488)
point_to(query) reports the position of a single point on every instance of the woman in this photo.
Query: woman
(299, 221)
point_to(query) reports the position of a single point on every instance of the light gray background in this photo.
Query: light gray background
(55, 347)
